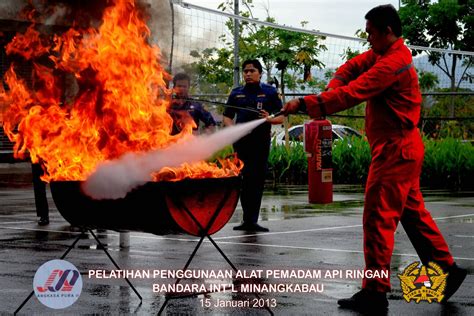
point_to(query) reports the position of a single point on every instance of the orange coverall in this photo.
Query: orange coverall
(389, 83)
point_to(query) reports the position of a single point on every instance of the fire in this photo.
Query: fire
(201, 170)
(119, 99)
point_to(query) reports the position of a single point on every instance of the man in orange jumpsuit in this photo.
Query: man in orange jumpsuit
(385, 77)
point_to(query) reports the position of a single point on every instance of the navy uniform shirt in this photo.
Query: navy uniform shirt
(193, 109)
(257, 97)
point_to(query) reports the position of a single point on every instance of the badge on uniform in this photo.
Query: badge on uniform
(259, 105)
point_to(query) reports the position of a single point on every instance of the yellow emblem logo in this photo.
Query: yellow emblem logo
(423, 283)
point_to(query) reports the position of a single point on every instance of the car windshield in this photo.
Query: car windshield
(346, 132)
(296, 134)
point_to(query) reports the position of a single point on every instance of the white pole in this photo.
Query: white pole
(124, 239)
(236, 46)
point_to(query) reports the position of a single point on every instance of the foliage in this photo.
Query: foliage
(279, 50)
(449, 163)
(297, 120)
(356, 123)
(288, 165)
(298, 52)
(210, 74)
(359, 110)
(228, 5)
(441, 107)
(427, 80)
(421, 20)
(222, 154)
(351, 160)
(349, 53)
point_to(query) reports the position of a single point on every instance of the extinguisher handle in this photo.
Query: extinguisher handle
(277, 114)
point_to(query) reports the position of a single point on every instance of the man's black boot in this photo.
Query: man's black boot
(251, 227)
(254, 227)
(44, 220)
(366, 301)
(242, 226)
(456, 276)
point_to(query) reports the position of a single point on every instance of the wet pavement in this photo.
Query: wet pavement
(302, 237)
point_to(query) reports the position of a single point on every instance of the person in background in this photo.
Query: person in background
(184, 111)
(385, 77)
(39, 187)
(254, 148)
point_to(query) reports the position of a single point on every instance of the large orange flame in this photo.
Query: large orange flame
(120, 104)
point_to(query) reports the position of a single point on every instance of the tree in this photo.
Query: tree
(428, 81)
(212, 72)
(279, 50)
(292, 54)
(444, 24)
(354, 115)
(349, 53)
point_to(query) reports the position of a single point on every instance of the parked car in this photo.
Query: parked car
(296, 134)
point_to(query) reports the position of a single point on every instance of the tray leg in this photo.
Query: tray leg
(62, 257)
(205, 233)
(67, 252)
(191, 257)
(233, 267)
(115, 264)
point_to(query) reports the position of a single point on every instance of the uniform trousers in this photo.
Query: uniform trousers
(392, 196)
(254, 154)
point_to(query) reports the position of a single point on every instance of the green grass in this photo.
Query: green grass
(288, 166)
(449, 163)
(351, 160)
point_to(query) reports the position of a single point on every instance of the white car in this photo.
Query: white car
(296, 134)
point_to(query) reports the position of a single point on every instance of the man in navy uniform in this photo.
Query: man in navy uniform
(252, 101)
(183, 111)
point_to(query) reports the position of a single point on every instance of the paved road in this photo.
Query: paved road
(303, 237)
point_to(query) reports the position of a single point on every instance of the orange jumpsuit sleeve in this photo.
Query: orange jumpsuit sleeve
(368, 84)
(352, 69)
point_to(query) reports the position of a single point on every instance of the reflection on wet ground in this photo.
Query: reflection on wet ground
(302, 236)
(291, 201)
(287, 202)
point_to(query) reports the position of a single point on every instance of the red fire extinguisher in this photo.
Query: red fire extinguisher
(318, 147)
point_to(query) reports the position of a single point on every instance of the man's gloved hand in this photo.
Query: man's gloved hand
(292, 106)
(263, 114)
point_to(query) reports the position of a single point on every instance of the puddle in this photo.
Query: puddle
(291, 201)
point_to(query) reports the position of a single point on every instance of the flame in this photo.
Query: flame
(230, 166)
(120, 103)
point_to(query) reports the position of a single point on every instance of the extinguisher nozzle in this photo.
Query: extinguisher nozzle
(277, 114)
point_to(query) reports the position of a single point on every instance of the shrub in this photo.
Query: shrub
(288, 165)
(351, 160)
(449, 163)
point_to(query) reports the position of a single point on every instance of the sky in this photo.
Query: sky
(343, 17)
